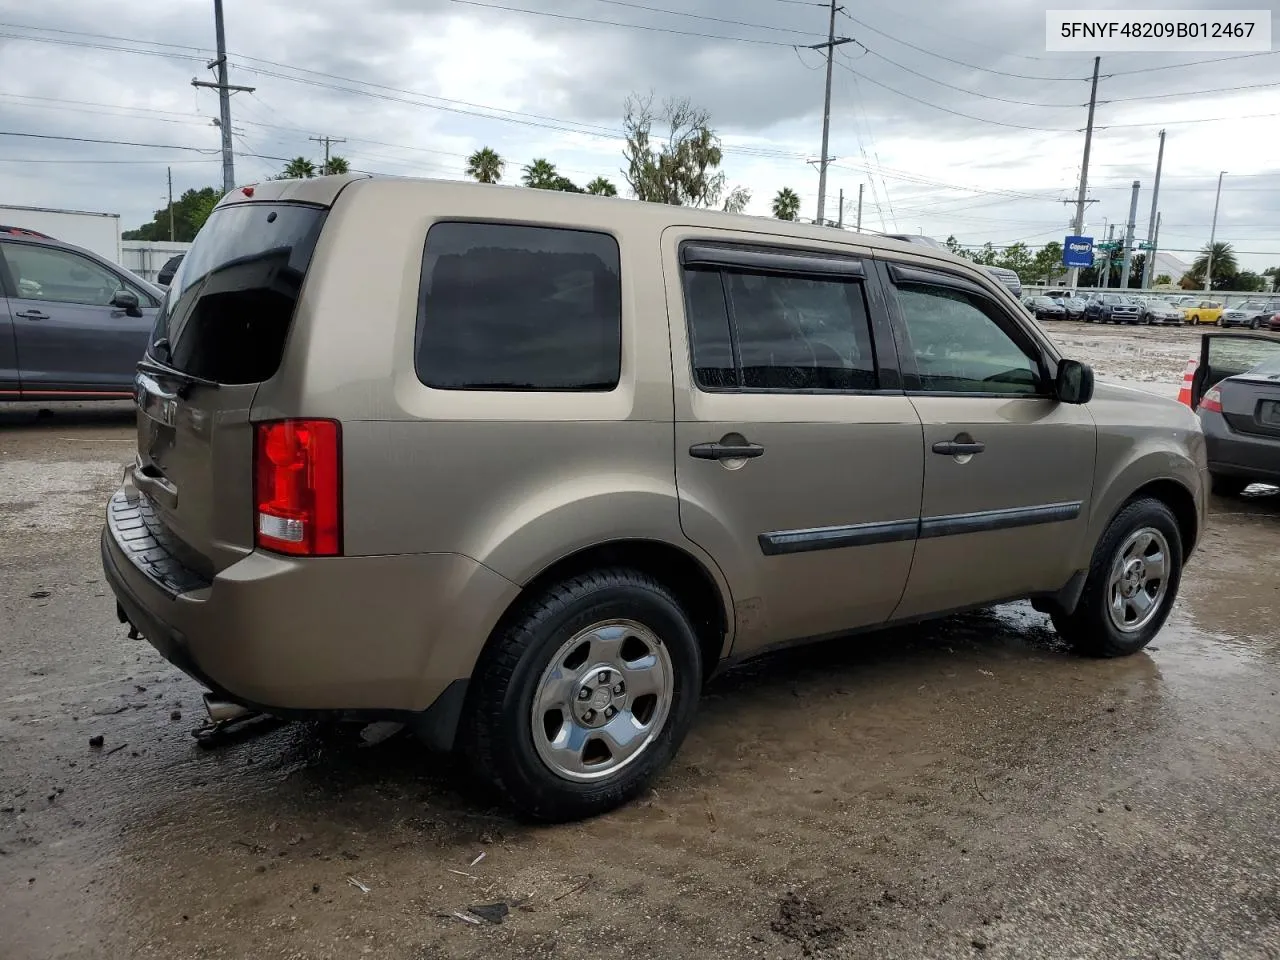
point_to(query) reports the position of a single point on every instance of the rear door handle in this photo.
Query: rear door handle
(958, 448)
(726, 451)
(32, 315)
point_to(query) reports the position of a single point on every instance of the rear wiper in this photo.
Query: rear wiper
(187, 379)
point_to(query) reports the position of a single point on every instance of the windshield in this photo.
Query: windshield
(230, 305)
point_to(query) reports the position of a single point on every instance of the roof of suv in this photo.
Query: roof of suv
(325, 190)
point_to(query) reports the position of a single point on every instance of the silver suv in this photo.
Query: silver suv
(524, 468)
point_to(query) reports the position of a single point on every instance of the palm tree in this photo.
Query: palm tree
(485, 166)
(299, 168)
(601, 187)
(1224, 264)
(336, 165)
(786, 205)
(541, 175)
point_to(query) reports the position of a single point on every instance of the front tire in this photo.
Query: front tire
(584, 695)
(1131, 585)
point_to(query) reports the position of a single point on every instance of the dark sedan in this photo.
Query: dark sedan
(1113, 308)
(1047, 309)
(1237, 393)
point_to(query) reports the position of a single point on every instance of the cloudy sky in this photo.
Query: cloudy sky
(949, 112)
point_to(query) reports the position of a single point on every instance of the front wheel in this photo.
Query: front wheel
(1220, 322)
(1131, 585)
(585, 695)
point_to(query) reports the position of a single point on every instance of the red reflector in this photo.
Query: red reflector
(247, 191)
(1212, 400)
(298, 487)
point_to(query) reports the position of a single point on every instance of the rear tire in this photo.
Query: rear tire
(1112, 619)
(1225, 485)
(557, 762)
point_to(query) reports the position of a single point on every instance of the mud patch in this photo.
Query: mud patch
(66, 490)
(802, 921)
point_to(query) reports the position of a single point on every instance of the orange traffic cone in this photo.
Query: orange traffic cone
(1184, 394)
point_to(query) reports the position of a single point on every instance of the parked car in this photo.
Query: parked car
(1112, 308)
(1008, 277)
(1203, 311)
(1074, 307)
(1274, 322)
(1251, 314)
(74, 325)
(1155, 310)
(1045, 308)
(165, 276)
(1236, 391)
(688, 397)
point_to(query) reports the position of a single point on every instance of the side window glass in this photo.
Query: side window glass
(712, 346)
(777, 332)
(958, 348)
(41, 273)
(506, 307)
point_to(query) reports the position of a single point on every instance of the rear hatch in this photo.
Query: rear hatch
(221, 332)
(1251, 401)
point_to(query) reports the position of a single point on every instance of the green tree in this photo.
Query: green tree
(335, 165)
(190, 211)
(953, 245)
(1225, 266)
(1136, 269)
(986, 256)
(565, 184)
(299, 168)
(737, 200)
(786, 205)
(681, 165)
(601, 187)
(485, 166)
(1250, 281)
(1163, 280)
(540, 175)
(1016, 257)
(1047, 263)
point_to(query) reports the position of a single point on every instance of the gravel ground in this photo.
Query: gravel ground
(957, 789)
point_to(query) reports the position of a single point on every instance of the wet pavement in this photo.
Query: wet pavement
(957, 789)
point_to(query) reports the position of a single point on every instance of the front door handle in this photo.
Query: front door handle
(726, 451)
(32, 315)
(959, 448)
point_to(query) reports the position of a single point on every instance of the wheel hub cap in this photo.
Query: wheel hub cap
(602, 700)
(1139, 581)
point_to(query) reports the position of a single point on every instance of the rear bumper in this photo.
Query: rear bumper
(376, 635)
(1238, 454)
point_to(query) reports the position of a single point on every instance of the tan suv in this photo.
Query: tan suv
(523, 468)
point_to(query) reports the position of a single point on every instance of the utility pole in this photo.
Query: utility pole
(326, 141)
(1151, 223)
(859, 227)
(1128, 236)
(840, 216)
(1106, 264)
(1213, 233)
(1078, 226)
(1151, 254)
(823, 160)
(224, 99)
(171, 232)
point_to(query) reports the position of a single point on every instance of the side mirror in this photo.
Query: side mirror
(127, 301)
(1075, 382)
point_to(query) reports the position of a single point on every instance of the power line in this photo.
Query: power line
(699, 16)
(1193, 93)
(1193, 63)
(617, 23)
(1163, 123)
(95, 160)
(957, 113)
(961, 63)
(965, 90)
(119, 143)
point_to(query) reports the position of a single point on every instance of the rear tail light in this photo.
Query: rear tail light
(1212, 400)
(298, 487)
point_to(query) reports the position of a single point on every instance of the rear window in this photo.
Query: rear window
(230, 304)
(509, 307)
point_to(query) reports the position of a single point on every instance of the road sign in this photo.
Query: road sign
(1145, 246)
(1077, 252)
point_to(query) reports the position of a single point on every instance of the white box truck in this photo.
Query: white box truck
(99, 232)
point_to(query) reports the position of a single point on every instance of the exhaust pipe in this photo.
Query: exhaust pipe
(223, 711)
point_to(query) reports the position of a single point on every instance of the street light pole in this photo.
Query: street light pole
(1213, 233)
